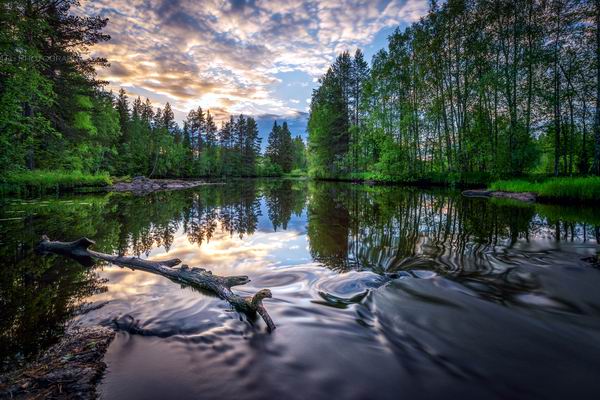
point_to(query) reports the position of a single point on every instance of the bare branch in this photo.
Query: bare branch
(195, 277)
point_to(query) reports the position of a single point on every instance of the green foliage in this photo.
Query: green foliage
(41, 181)
(585, 189)
(281, 150)
(48, 85)
(267, 168)
(296, 173)
(55, 115)
(473, 91)
(328, 139)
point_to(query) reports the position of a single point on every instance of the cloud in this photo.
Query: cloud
(225, 55)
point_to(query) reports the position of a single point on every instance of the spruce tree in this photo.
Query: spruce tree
(273, 144)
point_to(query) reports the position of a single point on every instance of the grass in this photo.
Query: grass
(41, 181)
(578, 189)
(296, 173)
(429, 178)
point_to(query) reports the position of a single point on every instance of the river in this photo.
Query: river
(378, 292)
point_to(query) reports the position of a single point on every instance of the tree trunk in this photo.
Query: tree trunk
(195, 277)
(556, 99)
(597, 119)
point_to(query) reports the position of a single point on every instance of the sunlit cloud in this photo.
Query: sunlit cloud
(225, 55)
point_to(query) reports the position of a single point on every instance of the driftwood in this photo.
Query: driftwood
(195, 277)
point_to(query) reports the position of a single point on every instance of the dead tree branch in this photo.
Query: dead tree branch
(195, 277)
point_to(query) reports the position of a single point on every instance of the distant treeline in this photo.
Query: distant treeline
(55, 114)
(487, 88)
(152, 143)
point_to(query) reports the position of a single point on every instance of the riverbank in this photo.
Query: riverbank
(450, 179)
(528, 188)
(39, 182)
(583, 189)
(68, 370)
(46, 182)
(42, 182)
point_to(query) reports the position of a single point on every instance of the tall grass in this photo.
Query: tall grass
(41, 181)
(583, 189)
(296, 173)
(429, 178)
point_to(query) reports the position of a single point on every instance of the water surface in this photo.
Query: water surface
(379, 292)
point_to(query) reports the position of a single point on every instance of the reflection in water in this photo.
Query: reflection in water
(37, 295)
(411, 293)
(384, 229)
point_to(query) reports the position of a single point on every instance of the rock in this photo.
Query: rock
(528, 197)
(524, 196)
(477, 193)
(143, 185)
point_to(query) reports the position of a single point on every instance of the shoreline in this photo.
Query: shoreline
(70, 369)
(547, 190)
(551, 190)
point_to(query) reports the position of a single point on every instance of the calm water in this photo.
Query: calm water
(379, 292)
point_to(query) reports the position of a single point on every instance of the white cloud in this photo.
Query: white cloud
(226, 54)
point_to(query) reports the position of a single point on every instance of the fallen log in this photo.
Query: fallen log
(195, 277)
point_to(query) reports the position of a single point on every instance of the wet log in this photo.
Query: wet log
(194, 277)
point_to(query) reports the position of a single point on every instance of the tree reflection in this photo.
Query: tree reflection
(284, 198)
(384, 228)
(39, 294)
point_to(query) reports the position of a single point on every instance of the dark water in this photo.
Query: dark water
(379, 292)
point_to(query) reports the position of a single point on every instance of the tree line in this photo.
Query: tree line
(487, 88)
(56, 114)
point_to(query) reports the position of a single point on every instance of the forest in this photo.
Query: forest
(476, 90)
(55, 115)
(436, 224)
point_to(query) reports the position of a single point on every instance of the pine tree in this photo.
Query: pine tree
(122, 106)
(274, 144)
(211, 130)
(168, 119)
(251, 147)
(136, 110)
(187, 146)
(286, 156)
(225, 141)
(200, 128)
(358, 76)
(147, 113)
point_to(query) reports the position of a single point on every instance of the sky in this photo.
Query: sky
(252, 57)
